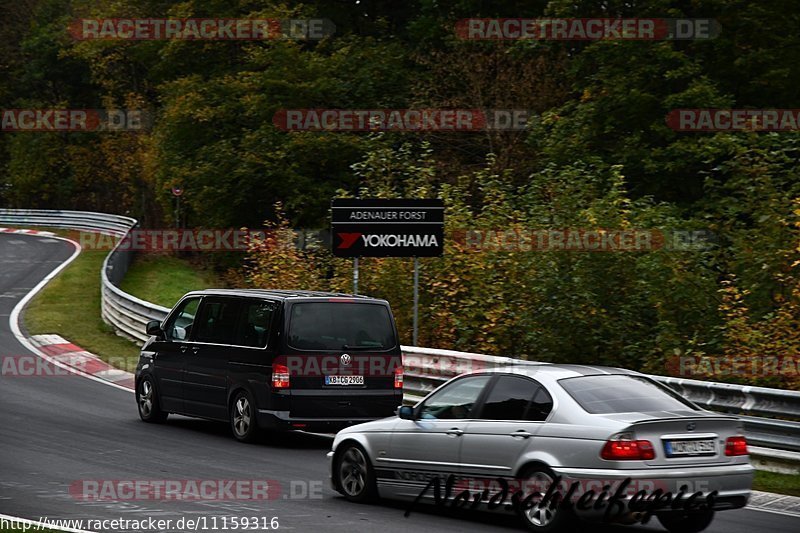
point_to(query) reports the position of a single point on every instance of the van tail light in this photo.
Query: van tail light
(622, 448)
(280, 376)
(398, 378)
(736, 446)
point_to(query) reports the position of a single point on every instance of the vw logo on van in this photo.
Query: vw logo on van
(346, 359)
(690, 426)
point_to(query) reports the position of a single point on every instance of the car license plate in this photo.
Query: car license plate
(675, 448)
(344, 380)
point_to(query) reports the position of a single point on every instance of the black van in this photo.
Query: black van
(272, 359)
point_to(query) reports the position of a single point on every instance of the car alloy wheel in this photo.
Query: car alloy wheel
(552, 517)
(243, 422)
(147, 402)
(354, 474)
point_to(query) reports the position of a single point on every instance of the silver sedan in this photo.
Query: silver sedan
(553, 444)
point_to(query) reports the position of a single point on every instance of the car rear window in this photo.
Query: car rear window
(621, 394)
(341, 326)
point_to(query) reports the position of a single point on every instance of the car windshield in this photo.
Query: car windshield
(340, 326)
(621, 394)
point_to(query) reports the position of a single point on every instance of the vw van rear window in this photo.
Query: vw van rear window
(341, 326)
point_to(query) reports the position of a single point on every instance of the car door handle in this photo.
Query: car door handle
(454, 432)
(521, 433)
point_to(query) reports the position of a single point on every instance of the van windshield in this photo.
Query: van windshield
(341, 326)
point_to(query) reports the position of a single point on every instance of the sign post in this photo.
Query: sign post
(355, 275)
(415, 333)
(177, 192)
(388, 228)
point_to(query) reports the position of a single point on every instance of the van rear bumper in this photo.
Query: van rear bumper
(328, 409)
(281, 420)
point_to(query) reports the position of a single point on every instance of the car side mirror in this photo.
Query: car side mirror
(406, 412)
(154, 328)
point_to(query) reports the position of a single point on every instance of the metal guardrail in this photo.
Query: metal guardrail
(77, 220)
(730, 397)
(126, 313)
(426, 368)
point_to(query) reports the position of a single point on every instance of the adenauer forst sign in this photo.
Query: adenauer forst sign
(387, 228)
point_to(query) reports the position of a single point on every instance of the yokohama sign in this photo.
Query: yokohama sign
(387, 228)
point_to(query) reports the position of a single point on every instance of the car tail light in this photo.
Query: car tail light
(280, 376)
(398, 378)
(736, 446)
(623, 448)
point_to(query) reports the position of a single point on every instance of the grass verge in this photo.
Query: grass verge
(70, 306)
(779, 483)
(163, 279)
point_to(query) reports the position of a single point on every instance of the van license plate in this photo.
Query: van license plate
(676, 448)
(344, 380)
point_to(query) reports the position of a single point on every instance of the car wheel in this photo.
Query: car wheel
(148, 403)
(553, 517)
(691, 522)
(243, 419)
(354, 474)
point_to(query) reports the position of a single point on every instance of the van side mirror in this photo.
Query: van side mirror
(154, 328)
(406, 412)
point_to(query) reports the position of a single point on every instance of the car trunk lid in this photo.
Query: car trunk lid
(689, 438)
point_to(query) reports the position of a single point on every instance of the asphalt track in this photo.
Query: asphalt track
(56, 430)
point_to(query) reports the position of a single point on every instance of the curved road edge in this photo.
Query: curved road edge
(15, 318)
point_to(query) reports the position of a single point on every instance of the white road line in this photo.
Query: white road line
(773, 511)
(14, 319)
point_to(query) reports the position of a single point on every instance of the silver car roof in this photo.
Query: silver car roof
(555, 371)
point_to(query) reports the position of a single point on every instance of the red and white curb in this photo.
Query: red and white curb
(62, 351)
(27, 232)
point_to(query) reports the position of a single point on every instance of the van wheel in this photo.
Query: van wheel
(355, 477)
(552, 517)
(692, 522)
(148, 403)
(243, 418)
